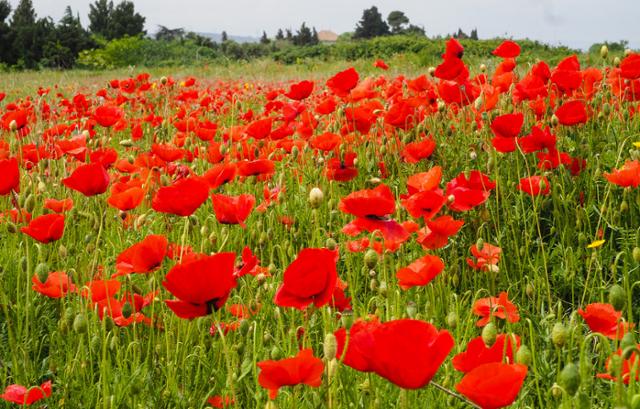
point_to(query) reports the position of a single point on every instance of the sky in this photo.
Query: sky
(575, 23)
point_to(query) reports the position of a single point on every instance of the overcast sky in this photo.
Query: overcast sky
(577, 23)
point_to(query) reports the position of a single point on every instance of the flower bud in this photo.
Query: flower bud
(13, 125)
(411, 309)
(315, 197)
(569, 379)
(330, 346)
(628, 341)
(347, 319)
(331, 244)
(80, 324)
(604, 52)
(127, 310)
(452, 320)
(489, 334)
(431, 71)
(636, 254)
(617, 297)
(559, 334)
(523, 355)
(42, 271)
(370, 258)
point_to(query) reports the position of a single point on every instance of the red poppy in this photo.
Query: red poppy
(425, 180)
(326, 142)
(108, 115)
(630, 67)
(628, 365)
(381, 64)
(451, 68)
(376, 202)
(58, 206)
(628, 176)
(259, 129)
(220, 402)
(21, 395)
(57, 285)
(233, 209)
(300, 91)
(201, 285)
(342, 170)
(143, 257)
(507, 49)
(453, 49)
(45, 228)
(471, 192)
(572, 113)
(486, 258)
(424, 204)
(256, 167)
(499, 307)
(10, 180)
(406, 352)
(182, 198)
(478, 353)
(99, 290)
(393, 233)
(603, 318)
(304, 368)
(493, 385)
(90, 180)
(535, 185)
(506, 128)
(310, 278)
(220, 174)
(21, 118)
(125, 196)
(414, 152)
(420, 272)
(343, 82)
(437, 232)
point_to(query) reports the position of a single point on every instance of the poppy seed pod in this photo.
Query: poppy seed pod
(315, 197)
(330, 346)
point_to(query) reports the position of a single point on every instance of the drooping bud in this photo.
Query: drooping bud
(617, 297)
(569, 379)
(523, 355)
(80, 324)
(489, 334)
(559, 334)
(371, 258)
(315, 197)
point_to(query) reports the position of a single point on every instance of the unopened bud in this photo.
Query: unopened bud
(315, 197)
(489, 334)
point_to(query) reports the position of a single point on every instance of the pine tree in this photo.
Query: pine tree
(26, 45)
(304, 36)
(125, 21)
(280, 35)
(474, 34)
(68, 40)
(314, 37)
(264, 39)
(225, 37)
(6, 35)
(100, 17)
(371, 25)
(397, 20)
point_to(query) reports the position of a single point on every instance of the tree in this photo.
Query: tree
(169, 34)
(100, 14)
(6, 35)
(371, 25)
(280, 35)
(289, 34)
(264, 39)
(225, 37)
(125, 21)
(305, 36)
(414, 31)
(26, 46)
(474, 34)
(397, 19)
(68, 39)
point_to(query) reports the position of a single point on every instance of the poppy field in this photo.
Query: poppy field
(465, 237)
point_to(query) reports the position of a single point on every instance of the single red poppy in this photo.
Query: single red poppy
(90, 180)
(201, 285)
(99, 290)
(233, 209)
(310, 278)
(21, 395)
(381, 64)
(603, 318)
(58, 206)
(424, 204)
(630, 66)
(304, 368)
(10, 180)
(300, 91)
(220, 402)
(628, 368)
(469, 192)
(627, 176)
(182, 198)
(259, 129)
(421, 272)
(493, 385)
(143, 257)
(220, 174)
(572, 113)
(425, 180)
(507, 49)
(57, 285)
(535, 185)
(486, 258)
(376, 202)
(414, 152)
(126, 197)
(437, 232)
(45, 228)
(478, 353)
(499, 307)
(343, 82)
(108, 115)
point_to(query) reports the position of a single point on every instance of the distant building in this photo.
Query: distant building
(326, 36)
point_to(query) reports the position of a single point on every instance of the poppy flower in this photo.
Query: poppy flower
(58, 206)
(499, 307)
(486, 258)
(376, 202)
(507, 49)
(436, 233)
(630, 67)
(220, 402)
(414, 152)
(628, 365)
(343, 82)
(469, 192)
(603, 318)
(220, 174)
(506, 128)
(99, 290)
(477, 353)
(342, 170)
(406, 352)
(310, 278)
(420, 272)
(423, 181)
(451, 68)
(21, 395)
(535, 185)
(259, 129)
(326, 142)
(57, 285)
(10, 180)
(182, 198)
(108, 115)
(381, 64)
(572, 113)
(201, 285)
(45, 228)
(19, 118)
(493, 385)
(90, 180)
(424, 204)
(304, 368)
(258, 167)
(628, 176)
(300, 91)
(126, 197)
(233, 209)
(393, 233)
(453, 48)
(142, 257)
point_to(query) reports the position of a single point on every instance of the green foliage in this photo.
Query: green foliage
(115, 22)
(305, 37)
